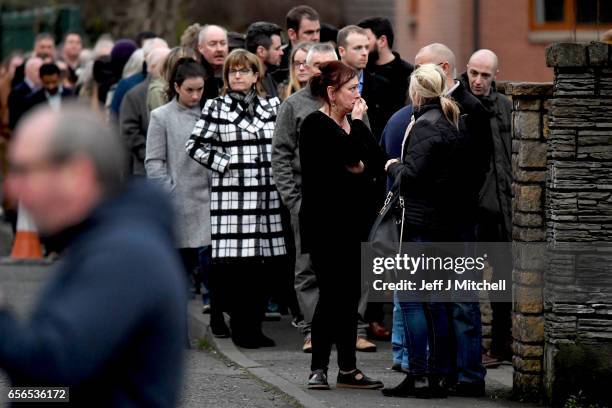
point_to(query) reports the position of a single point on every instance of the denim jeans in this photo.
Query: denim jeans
(398, 342)
(467, 329)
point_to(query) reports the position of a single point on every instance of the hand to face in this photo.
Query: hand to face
(359, 109)
(357, 168)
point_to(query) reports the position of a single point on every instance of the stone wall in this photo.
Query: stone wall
(578, 282)
(529, 145)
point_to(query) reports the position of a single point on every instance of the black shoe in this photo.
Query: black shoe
(219, 328)
(472, 390)
(421, 387)
(318, 380)
(402, 390)
(249, 342)
(357, 379)
(265, 341)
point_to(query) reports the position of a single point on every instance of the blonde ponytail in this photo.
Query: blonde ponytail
(429, 82)
(450, 109)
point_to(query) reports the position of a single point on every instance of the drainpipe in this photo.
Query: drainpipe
(476, 25)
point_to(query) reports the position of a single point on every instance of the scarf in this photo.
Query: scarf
(247, 101)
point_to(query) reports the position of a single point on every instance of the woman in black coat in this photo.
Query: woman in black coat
(339, 160)
(436, 174)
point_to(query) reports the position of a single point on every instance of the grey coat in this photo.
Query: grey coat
(187, 182)
(285, 153)
(133, 124)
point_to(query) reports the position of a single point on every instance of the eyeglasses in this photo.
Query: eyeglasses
(299, 64)
(242, 71)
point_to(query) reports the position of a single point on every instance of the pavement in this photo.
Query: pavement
(211, 380)
(219, 374)
(286, 367)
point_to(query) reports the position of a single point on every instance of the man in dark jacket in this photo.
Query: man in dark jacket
(263, 39)
(213, 48)
(17, 103)
(495, 206)
(52, 92)
(353, 46)
(385, 62)
(110, 324)
(475, 125)
(133, 125)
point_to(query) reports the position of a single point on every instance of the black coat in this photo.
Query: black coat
(212, 84)
(436, 173)
(338, 207)
(495, 199)
(39, 97)
(376, 91)
(397, 72)
(111, 322)
(17, 102)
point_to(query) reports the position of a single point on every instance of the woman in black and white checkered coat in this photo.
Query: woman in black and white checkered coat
(233, 138)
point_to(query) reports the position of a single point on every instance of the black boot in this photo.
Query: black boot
(421, 387)
(438, 386)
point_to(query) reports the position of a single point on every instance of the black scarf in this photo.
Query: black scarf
(247, 101)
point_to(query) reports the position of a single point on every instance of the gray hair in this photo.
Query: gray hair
(79, 130)
(202, 33)
(321, 48)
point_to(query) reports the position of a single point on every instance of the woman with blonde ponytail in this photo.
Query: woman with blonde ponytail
(436, 178)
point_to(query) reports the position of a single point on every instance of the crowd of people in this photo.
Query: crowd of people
(277, 158)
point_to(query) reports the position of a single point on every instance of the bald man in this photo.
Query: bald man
(17, 101)
(495, 206)
(110, 324)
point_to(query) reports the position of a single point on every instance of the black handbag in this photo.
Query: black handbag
(388, 228)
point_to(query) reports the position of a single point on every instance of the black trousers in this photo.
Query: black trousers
(335, 316)
(241, 287)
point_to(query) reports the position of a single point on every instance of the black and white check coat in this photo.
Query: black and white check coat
(245, 205)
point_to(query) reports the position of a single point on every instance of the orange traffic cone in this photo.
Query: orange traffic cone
(26, 244)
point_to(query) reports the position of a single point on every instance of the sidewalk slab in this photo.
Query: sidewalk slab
(286, 367)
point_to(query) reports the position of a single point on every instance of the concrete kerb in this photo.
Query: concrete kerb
(199, 328)
(7, 260)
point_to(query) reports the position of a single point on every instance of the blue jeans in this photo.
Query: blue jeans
(398, 342)
(467, 329)
(426, 326)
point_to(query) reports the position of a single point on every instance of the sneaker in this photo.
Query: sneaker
(364, 345)
(357, 379)
(318, 380)
(298, 322)
(307, 347)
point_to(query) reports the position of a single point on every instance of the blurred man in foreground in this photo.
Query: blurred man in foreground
(111, 322)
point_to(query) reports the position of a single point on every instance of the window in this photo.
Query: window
(567, 14)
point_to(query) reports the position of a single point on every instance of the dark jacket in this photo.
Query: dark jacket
(496, 195)
(476, 124)
(397, 72)
(111, 322)
(393, 135)
(376, 91)
(212, 84)
(39, 97)
(338, 207)
(122, 88)
(436, 173)
(133, 125)
(17, 104)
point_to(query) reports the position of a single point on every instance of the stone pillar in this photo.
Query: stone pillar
(578, 282)
(529, 145)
